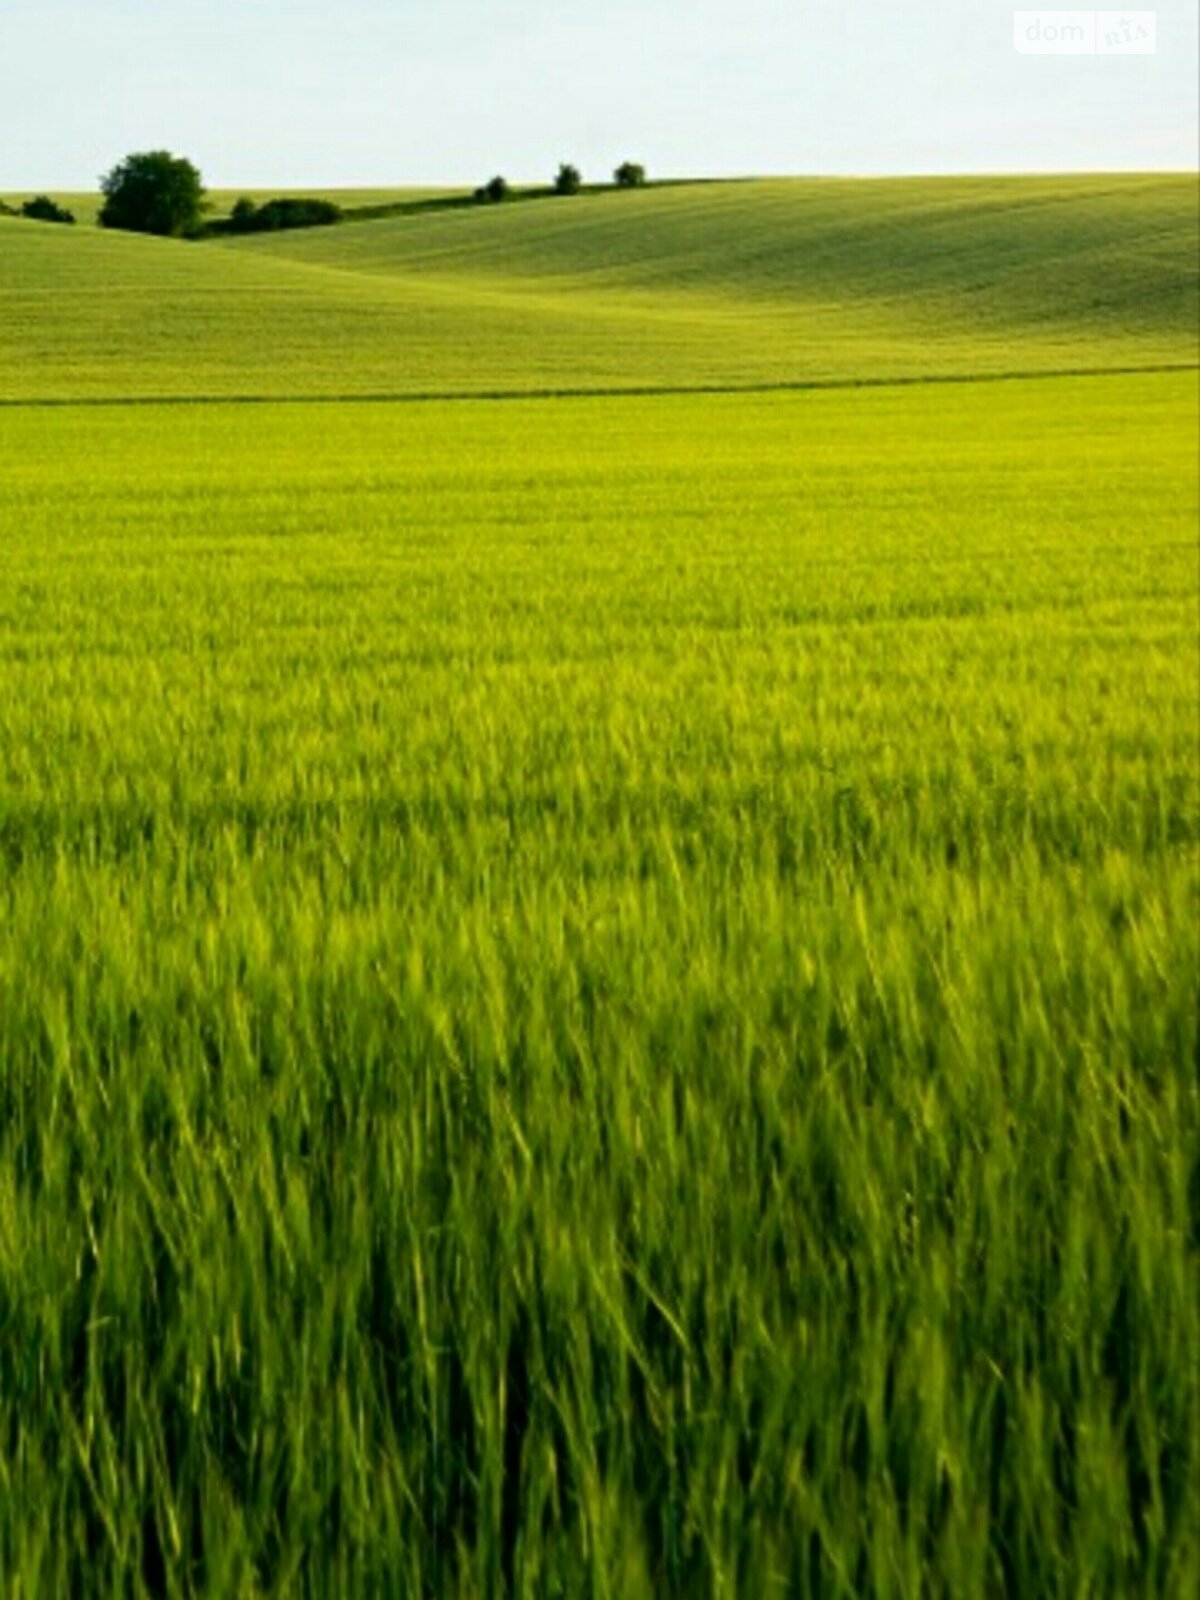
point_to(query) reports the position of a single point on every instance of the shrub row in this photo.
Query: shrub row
(246, 217)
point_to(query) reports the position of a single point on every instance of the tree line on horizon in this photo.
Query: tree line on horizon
(159, 193)
(568, 180)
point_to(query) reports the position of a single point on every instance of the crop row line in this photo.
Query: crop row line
(619, 392)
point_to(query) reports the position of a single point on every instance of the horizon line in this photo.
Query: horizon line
(453, 186)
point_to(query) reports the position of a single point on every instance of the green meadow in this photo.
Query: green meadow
(600, 900)
(697, 286)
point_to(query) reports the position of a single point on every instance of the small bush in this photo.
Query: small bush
(569, 179)
(43, 209)
(494, 192)
(630, 175)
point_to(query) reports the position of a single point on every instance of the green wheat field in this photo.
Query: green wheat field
(599, 900)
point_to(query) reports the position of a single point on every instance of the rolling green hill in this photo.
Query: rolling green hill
(1025, 249)
(747, 284)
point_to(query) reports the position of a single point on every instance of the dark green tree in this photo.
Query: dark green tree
(630, 175)
(154, 192)
(43, 209)
(569, 179)
(494, 191)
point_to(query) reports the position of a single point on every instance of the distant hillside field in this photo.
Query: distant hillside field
(708, 286)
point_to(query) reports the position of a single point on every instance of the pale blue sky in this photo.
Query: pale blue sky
(277, 92)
